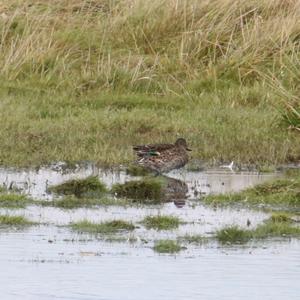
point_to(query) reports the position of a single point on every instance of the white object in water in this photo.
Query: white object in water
(230, 166)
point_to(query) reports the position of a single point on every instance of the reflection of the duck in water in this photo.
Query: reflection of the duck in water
(175, 191)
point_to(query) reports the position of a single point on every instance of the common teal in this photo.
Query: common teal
(162, 158)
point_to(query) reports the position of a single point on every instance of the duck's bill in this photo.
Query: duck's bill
(188, 149)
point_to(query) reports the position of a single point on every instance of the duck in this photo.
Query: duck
(162, 158)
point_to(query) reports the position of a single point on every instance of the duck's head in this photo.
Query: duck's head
(181, 142)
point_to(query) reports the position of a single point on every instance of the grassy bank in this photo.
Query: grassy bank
(87, 79)
(284, 193)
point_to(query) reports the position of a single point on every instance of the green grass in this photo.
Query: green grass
(147, 190)
(161, 222)
(167, 246)
(14, 200)
(283, 192)
(109, 227)
(89, 187)
(14, 220)
(81, 80)
(276, 229)
(233, 235)
(135, 170)
(281, 218)
(70, 202)
(278, 225)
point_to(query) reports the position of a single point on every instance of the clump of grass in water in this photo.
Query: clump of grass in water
(14, 220)
(149, 189)
(233, 235)
(71, 202)
(278, 225)
(161, 222)
(281, 218)
(89, 187)
(14, 200)
(167, 246)
(102, 228)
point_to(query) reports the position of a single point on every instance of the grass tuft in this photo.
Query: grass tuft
(89, 187)
(161, 222)
(167, 246)
(281, 218)
(102, 228)
(149, 189)
(14, 200)
(14, 220)
(233, 235)
(70, 202)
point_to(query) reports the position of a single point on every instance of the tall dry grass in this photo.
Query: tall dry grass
(150, 46)
(222, 73)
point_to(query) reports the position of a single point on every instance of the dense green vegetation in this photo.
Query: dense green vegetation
(109, 227)
(146, 190)
(88, 79)
(167, 246)
(89, 187)
(161, 222)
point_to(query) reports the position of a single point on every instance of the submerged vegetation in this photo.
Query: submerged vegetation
(82, 80)
(8, 200)
(102, 228)
(284, 192)
(161, 222)
(70, 202)
(89, 187)
(167, 246)
(14, 221)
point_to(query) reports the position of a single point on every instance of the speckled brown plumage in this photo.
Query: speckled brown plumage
(162, 158)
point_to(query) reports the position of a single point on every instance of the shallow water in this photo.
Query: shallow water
(34, 182)
(53, 262)
(32, 268)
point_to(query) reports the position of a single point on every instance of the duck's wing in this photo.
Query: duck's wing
(151, 149)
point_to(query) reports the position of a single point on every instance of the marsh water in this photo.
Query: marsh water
(50, 261)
